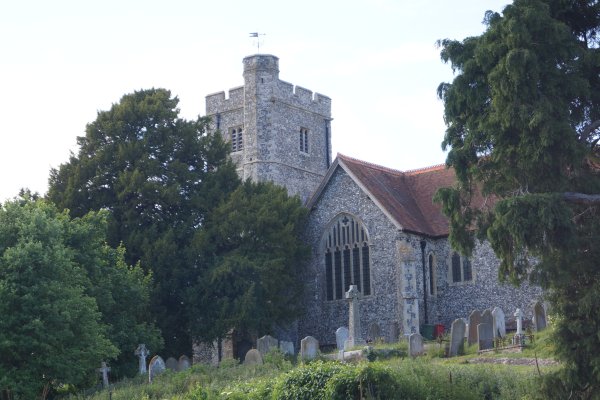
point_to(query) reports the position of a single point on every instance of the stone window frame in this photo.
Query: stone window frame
(463, 259)
(236, 138)
(356, 250)
(304, 148)
(432, 278)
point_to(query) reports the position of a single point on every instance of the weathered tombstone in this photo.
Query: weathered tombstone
(487, 318)
(104, 370)
(457, 337)
(485, 336)
(394, 332)
(266, 344)
(374, 333)
(142, 352)
(354, 335)
(519, 337)
(499, 322)
(183, 363)
(156, 367)
(253, 357)
(286, 347)
(474, 320)
(415, 345)
(539, 316)
(341, 335)
(309, 348)
(171, 364)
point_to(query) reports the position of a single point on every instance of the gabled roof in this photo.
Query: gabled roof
(405, 197)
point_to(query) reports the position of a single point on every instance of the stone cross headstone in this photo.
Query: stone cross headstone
(474, 320)
(156, 367)
(265, 344)
(309, 348)
(499, 322)
(104, 370)
(341, 335)
(253, 357)
(171, 364)
(519, 316)
(457, 337)
(415, 345)
(485, 336)
(286, 347)
(142, 352)
(183, 363)
(539, 316)
(374, 333)
(354, 335)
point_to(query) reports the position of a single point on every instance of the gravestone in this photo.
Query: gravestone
(499, 322)
(519, 338)
(474, 320)
(374, 333)
(354, 335)
(485, 336)
(415, 345)
(286, 347)
(341, 335)
(457, 337)
(171, 364)
(104, 370)
(142, 352)
(309, 348)
(539, 316)
(156, 367)
(183, 363)
(253, 357)
(266, 344)
(487, 318)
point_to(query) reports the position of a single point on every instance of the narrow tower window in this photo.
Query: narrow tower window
(237, 139)
(304, 140)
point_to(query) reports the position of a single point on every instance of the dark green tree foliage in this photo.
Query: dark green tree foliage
(157, 175)
(252, 253)
(522, 118)
(51, 330)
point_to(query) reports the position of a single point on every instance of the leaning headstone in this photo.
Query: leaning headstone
(286, 347)
(341, 335)
(104, 370)
(474, 320)
(171, 364)
(415, 345)
(156, 367)
(309, 348)
(539, 316)
(374, 333)
(266, 344)
(457, 337)
(354, 335)
(142, 352)
(253, 357)
(485, 336)
(183, 363)
(499, 322)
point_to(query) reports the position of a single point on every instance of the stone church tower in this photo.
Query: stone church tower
(278, 132)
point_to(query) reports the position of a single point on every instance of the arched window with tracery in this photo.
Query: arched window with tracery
(347, 259)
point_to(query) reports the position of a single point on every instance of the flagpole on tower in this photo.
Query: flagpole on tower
(257, 36)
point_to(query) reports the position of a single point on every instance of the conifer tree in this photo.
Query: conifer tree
(523, 119)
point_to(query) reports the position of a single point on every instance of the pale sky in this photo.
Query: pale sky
(62, 61)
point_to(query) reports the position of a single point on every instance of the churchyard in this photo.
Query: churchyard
(486, 355)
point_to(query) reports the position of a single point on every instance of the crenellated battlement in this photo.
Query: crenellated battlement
(217, 102)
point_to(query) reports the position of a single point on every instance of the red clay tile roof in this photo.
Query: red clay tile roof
(405, 196)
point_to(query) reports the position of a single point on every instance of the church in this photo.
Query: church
(368, 225)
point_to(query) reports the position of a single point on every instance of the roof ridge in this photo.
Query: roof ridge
(370, 164)
(417, 171)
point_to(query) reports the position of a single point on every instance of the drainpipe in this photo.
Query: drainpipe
(423, 244)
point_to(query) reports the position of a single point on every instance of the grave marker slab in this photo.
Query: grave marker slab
(341, 335)
(485, 336)
(415, 345)
(539, 316)
(266, 344)
(286, 347)
(499, 324)
(156, 367)
(487, 318)
(309, 348)
(171, 364)
(183, 363)
(457, 337)
(474, 320)
(253, 357)
(354, 337)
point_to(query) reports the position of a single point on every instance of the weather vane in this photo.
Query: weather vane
(257, 36)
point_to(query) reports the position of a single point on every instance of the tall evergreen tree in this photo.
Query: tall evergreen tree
(157, 175)
(523, 119)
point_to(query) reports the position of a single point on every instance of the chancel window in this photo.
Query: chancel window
(304, 140)
(237, 139)
(347, 260)
(461, 269)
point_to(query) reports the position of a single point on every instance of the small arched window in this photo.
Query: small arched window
(347, 258)
(461, 269)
